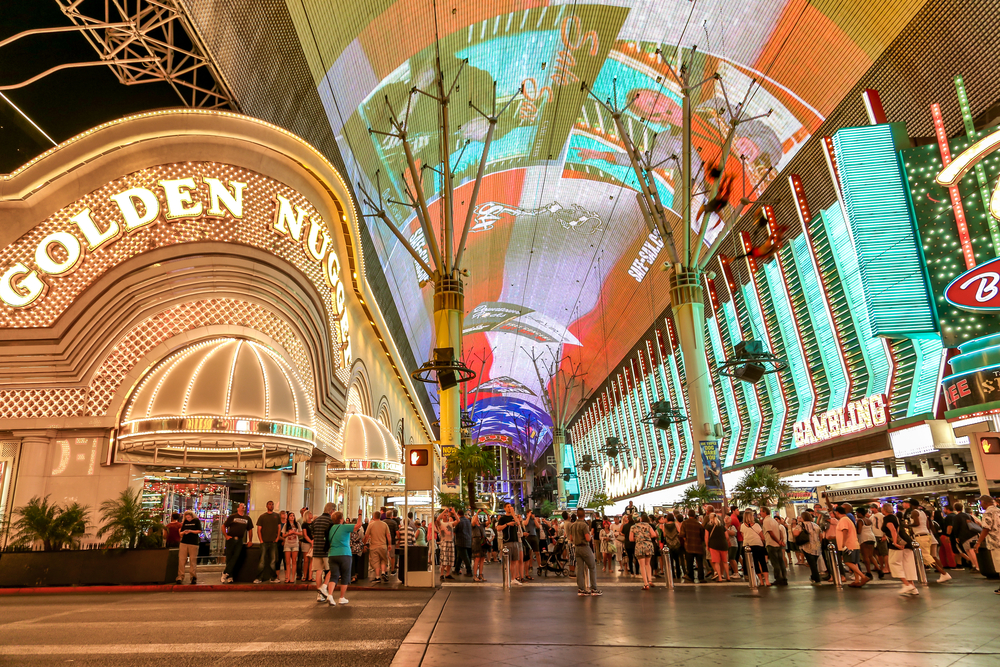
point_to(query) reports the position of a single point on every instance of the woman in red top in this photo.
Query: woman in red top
(174, 531)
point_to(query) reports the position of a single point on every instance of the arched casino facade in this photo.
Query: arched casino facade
(183, 309)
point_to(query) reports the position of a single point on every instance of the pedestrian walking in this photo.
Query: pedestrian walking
(809, 546)
(321, 556)
(306, 545)
(238, 529)
(642, 537)
(190, 533)
(753, 537)
(339, 554)
(463, 544)
(509, 527)
(849, 546)
(922, 534)
(607, 548)
(718, 546)
(269, 534)
(377, 537)
(902, 565)
(580, 535)
(693, 532)
(990, 536)
(775, 544)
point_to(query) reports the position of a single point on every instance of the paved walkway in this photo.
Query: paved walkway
(541, 624)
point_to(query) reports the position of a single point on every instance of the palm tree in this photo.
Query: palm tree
(696, 496)
(470, 462)
(760, 487)
(49, 523)
(126, 523)
(599, 502)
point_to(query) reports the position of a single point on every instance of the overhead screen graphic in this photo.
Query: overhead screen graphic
(562, 263)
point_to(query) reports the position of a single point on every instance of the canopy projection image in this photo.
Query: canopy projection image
(449, 331)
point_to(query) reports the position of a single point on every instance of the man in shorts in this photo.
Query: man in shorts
(321, 556)
(918, 520)
(901, 562)
(377, 537)
(849, 547)
(509, 526)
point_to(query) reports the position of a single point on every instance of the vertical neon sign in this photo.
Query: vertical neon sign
(956, 197)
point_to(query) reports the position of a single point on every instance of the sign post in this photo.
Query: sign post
(985, 449)
(420, 471)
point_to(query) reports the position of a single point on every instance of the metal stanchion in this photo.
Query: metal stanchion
(668, 569)
(748, 568)
(918, 558)
(834, 565)
(505, 568)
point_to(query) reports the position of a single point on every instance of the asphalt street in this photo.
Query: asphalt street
(207, 629)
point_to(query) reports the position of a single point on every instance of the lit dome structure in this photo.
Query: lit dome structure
(371, 453)
(225, 402)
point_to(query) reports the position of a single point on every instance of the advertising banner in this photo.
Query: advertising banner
(713, 470)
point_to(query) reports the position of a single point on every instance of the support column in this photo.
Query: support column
(558, 450)
(296, 489)
(687, 296)
(31, 470)
(265, 486)
(449, 314)
(317, 492)
(352, 498)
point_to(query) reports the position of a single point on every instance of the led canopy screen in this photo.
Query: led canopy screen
(561, 262)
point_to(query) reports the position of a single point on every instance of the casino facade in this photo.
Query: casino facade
(185, 311)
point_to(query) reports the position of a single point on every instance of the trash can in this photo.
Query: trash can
(415, 561)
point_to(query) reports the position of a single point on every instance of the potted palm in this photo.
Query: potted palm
(468, 463)
(128, 530)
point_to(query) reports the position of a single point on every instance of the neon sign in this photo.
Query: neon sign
(35, 266)
(861, 415)
(622, 482)
(977, 289)
(969, 158)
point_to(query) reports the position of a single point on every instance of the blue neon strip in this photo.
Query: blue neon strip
(753, 406)
(825, 337)
(875, 354)
(675, 437)
(782, 303)
(686, 439)
(924, 387)
(878, 204)
(734, 427)
(777, 401)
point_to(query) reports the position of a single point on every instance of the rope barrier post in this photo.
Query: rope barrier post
(668, 569)
(505, 568)
(918, 561)
(749, 569)
(835, 565)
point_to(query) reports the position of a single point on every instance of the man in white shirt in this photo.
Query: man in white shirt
(774, 541)
(991, 531)
(918, 523)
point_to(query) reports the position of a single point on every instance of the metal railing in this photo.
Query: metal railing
(918, 558)
(834, 565)
(668, 569)
(748, 568)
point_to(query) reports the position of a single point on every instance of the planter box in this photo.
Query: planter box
(88, 567)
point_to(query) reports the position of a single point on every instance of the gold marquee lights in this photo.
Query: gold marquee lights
(48, 267)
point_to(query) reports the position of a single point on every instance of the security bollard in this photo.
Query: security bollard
(834, 565)
(918, 558)
(748, 568)
(668, 569)
(505, 568)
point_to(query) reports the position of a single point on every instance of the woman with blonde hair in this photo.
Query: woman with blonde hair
(718, 546)
(753, 537)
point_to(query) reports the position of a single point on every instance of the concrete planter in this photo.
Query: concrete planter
(87, 568)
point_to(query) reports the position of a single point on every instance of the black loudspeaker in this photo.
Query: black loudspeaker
(447, 379)
(751, 373)
(747, 348)
(662, 424)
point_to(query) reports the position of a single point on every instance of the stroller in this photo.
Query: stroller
(555, 559)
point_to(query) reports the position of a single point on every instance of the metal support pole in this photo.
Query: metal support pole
(918, 558)
(749, 569)
(834, 565)
(505, 568)
(668, 570)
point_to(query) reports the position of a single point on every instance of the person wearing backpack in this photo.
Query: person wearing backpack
(902, 565)
(806, 536)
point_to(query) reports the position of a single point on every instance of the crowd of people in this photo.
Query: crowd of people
(703, 546)
(875, 540)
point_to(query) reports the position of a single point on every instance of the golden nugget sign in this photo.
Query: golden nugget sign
(858, 416)
(623, 482)
(203, 201)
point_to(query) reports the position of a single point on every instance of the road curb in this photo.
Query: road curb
(188, 588)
